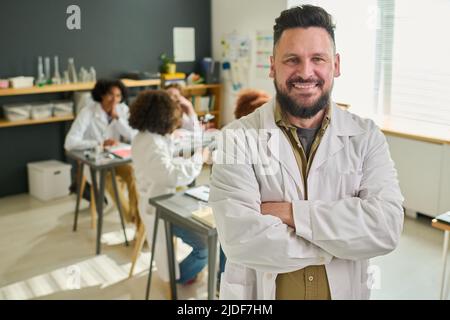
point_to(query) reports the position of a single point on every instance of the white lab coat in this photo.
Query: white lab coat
(353, 212)
(190, 123)
(91, 127)
(157, 172)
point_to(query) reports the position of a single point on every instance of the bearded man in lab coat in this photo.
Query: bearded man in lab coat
(303, 224)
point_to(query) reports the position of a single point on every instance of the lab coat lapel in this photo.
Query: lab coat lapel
(342, 124)
(99, 117)
(279, 147)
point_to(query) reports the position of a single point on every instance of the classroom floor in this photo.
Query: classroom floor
(41, 258)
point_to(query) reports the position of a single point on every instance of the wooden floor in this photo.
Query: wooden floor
(41, 258)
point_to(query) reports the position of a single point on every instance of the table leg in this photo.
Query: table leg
(171, 259)
(444, 293)
(119, 205)
(212, 266)
(152, 255)
(99, 196)
(77, 206)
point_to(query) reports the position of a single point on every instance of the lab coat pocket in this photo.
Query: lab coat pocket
(233, 291)
(234, 283)
(350, 183)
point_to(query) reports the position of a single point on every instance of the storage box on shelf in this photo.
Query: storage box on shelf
(41, 110)
(62, 108)
(21, 82)
(60, 113)
(17, 111)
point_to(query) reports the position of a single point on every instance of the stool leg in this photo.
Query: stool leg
(93, 209)
(79, 193)
(152, 254)
(140, 239)
(83, 186)
(119, 206)
(443, 294)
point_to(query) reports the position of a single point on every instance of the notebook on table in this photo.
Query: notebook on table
(444, 218)
(122, 151)
(205, 216)
(199, 193)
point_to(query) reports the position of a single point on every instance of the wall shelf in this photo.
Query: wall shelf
(5, 123)
(61, 88)
(73, 87)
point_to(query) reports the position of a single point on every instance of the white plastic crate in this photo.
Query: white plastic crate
(17, 111)
(42, 110)
(62, 108)
(21, 82)
(48, 179)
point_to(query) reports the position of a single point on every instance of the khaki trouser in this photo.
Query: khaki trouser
(125, 177)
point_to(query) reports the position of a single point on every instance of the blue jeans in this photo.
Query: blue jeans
(198, 258)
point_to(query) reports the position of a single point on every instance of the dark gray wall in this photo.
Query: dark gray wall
(116, 36)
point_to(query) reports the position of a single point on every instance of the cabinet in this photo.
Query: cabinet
(423, 167)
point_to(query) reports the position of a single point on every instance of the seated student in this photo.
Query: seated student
(158, 172)
(189, 121)
(104, 121)
(248, 101)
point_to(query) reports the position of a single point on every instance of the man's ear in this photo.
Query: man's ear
(272, 67)
(337, 65)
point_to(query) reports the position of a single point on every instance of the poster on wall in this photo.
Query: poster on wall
(264, 45)
(184, 44)
(236, 58)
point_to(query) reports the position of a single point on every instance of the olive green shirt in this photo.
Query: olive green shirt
(310, 283)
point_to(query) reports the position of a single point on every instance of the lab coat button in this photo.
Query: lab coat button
(310, 278)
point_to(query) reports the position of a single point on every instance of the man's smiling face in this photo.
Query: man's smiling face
(304, 66)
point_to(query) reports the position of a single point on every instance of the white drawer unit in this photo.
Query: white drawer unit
(424, 174)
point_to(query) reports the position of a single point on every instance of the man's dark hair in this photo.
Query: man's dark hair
(303, 17)
(154, 111)
(103, 86)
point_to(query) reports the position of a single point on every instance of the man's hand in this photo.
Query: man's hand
(109, 142)
(282, 210)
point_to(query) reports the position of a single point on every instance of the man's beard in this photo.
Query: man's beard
(287, 104)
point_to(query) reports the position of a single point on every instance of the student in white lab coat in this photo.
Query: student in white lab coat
(158, 172)
(302, 222)
(104, 122)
